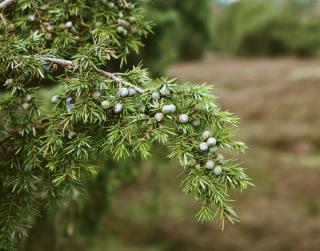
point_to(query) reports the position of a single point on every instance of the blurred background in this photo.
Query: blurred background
(263, 58)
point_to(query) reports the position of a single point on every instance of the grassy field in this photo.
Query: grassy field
(279, 106)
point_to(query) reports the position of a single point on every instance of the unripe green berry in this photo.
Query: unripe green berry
(96, 94)
(105, 104)
(25, 106)
(209, 164)
(196, 122)
(220, 157)
(213, 149)
(71, 135)
(9, 81)
(132, 19)
(120, 29)
(124, 32)
(164, 91)
(48, 36)
(111, 5)
(206, 134)
(217, 170)
(28, 98)
(11, 27)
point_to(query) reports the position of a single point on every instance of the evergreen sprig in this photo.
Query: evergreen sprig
(45, 153)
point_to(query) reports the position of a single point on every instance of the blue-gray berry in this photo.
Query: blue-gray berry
(173, 108)
(46, 67)
(68, 24)
(155, 95)
(159, 116)
(211, 141)
(71, 134)
(166, 109)
(123, 92)
(69, 104)
(54, 99)
(183, 118)
(31, 18)
(118, 108)
(96, 94)
(69, 101)
(120, 21)
(132, 91)
(203, 146)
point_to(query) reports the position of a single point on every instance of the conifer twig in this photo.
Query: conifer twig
(5, 3)
(16, 130)
(114, 77)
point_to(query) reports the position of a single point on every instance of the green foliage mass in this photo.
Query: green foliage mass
(49, 151)
(266, 28)
(181, 32)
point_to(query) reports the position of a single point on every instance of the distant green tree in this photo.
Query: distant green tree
(260, 27)
(182, 31)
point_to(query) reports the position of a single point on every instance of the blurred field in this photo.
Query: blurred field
(279, 106)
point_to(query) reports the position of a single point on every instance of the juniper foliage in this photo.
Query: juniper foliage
(46, 153)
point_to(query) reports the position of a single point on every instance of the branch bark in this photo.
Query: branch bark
(5, 3)
(114, 77)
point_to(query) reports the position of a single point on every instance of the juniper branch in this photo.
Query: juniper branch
(15, 130)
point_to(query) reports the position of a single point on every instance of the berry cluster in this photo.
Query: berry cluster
(209, 143)
(124, 20)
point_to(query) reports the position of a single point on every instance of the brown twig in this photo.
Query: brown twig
(114, 77)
